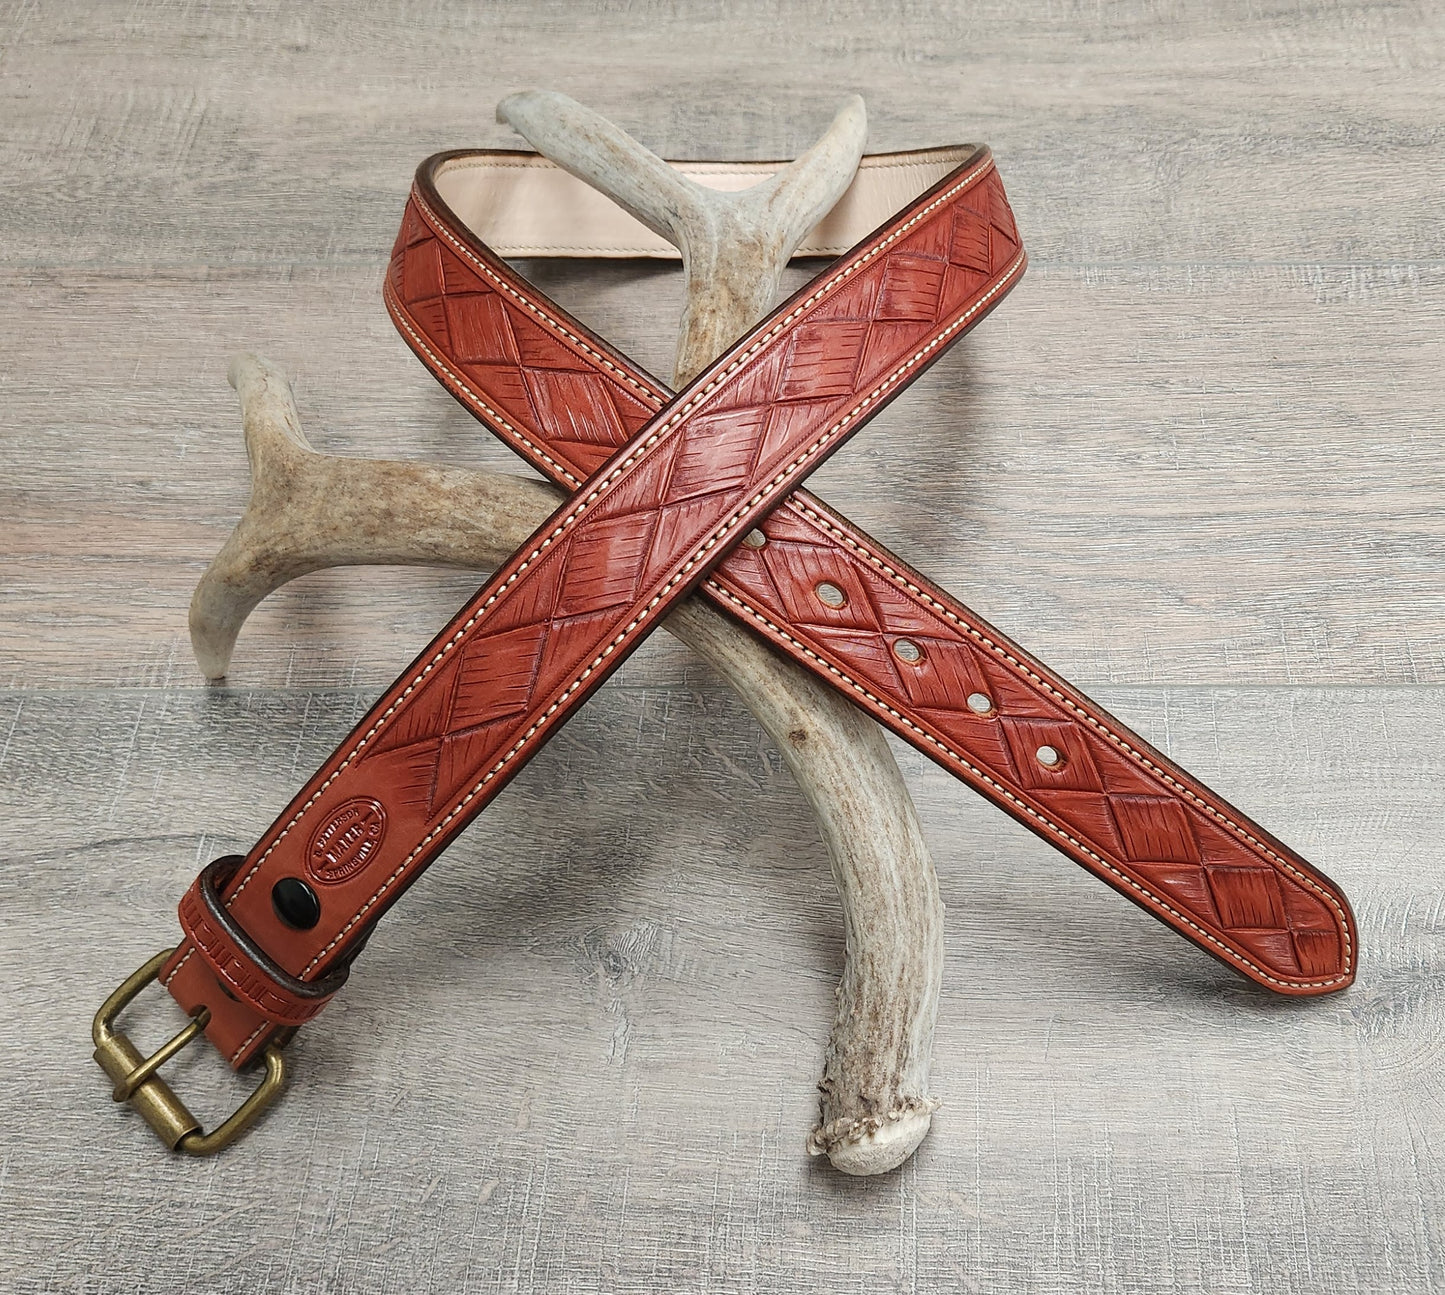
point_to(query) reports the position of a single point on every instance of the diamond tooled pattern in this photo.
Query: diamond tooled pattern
(464, 718)
(566, 402)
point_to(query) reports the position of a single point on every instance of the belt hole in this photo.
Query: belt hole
(909, 651)
(1048, 757)
(980, 704)
(755, 539)
(830, 595)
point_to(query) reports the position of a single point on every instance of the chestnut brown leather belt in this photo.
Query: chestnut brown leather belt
(672, 492)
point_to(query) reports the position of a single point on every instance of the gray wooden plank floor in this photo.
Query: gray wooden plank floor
(1195, 462)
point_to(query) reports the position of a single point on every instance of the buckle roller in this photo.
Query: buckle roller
(138, 1082)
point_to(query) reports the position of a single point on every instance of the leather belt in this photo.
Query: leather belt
(665, 488)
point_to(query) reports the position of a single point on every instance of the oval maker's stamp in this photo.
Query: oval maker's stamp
(346, 841)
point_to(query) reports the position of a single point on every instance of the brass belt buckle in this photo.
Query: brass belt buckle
(137, 1082)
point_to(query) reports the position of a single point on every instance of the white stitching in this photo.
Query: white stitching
(176, 970)
(236, 1054)
(496, 420)
(441, 228)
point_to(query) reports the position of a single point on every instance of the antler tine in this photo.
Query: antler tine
(734, 245)
(605, 156)
(310, 511)
(803, 192)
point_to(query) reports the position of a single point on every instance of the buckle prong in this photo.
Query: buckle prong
(136, 1079)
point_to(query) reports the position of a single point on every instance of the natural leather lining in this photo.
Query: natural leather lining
(522, 204)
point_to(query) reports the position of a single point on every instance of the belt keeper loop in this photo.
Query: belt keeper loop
(208, 884)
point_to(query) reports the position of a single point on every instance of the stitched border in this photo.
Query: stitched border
(176, 970)
(439, 227)
(497, 421)
(250, 1039)
(1019, 667)
(720, 533)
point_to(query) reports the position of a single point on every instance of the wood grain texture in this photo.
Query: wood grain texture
(1146, 475)
(1195, 462)
(602, 1079)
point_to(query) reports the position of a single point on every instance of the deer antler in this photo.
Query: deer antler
(874, 1107)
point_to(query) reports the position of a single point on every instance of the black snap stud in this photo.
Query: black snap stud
(296, 903)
